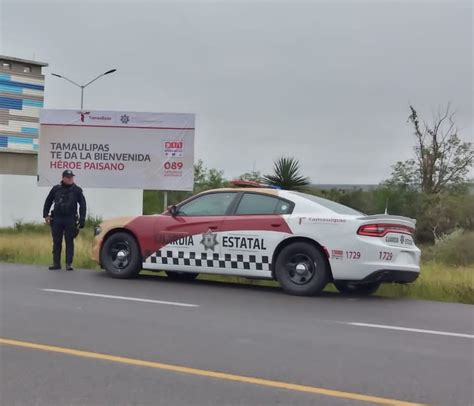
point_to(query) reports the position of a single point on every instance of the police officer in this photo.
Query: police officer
(63, 219)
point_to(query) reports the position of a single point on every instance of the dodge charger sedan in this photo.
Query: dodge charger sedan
(302, 241)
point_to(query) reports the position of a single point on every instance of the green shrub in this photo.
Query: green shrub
(456, 249)
(93, 221)
(21, 227)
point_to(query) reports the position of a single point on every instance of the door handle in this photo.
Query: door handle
(212, 227)
(275, 224)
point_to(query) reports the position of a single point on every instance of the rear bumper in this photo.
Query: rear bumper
(389, 276)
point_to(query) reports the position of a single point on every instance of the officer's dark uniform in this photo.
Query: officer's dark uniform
(64, 218)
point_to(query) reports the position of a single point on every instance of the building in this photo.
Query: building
(21, 97)
(21, 200)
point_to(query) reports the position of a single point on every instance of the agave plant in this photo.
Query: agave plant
(287, 175)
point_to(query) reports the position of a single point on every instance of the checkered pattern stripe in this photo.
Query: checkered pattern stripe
(211, 260)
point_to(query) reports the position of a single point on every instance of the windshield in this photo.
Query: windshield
(329, 204)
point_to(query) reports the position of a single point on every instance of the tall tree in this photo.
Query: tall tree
(442, 160)
(286, 175)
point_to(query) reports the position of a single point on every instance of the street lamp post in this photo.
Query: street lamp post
(82, 87)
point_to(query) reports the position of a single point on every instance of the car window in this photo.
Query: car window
(253, 203)
(329, 204)
(283, 207)
(213, 204)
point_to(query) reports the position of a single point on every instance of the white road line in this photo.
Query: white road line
(132, 299)
(414, 330)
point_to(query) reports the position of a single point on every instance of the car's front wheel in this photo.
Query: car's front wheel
(120, 256)
(181, 276)
(301, 269)
(363, 289)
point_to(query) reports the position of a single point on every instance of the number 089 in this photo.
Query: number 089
(173, 165)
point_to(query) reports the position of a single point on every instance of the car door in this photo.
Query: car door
(190, 240)
(252, 231)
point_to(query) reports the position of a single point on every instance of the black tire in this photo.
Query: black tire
(181, 276)
(120, 256)
(361, 289)
(301, 269)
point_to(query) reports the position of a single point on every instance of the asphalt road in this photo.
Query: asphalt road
(349, 346)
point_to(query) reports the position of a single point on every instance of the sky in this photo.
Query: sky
(326, 82)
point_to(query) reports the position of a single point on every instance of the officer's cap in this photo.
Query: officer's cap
(68, 174)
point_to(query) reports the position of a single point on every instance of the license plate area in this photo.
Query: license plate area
(399, 240)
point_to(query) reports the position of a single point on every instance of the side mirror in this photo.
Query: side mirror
(173, 210)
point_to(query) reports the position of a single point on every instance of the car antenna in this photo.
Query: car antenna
(386, 206)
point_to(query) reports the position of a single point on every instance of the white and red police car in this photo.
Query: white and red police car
(302, 241)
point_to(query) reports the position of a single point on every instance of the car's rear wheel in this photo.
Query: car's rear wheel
(301, 269)
(120, 256)
(181, 276)
(363, 289)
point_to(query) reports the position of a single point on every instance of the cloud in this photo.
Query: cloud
(326, 82)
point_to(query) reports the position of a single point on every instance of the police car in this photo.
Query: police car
(302, 241)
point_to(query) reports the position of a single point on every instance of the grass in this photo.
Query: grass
(438, 281)
(31, 244)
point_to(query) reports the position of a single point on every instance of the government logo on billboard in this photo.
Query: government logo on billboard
(173, 149)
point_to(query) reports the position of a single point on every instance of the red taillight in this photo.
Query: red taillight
(379, 230)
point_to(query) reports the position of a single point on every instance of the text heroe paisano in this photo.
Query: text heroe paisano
(88, 165)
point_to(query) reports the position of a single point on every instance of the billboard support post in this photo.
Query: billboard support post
(165, 200)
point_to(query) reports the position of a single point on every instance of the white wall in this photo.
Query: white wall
(22, 200)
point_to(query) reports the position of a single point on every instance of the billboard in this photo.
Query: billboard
(117, 149)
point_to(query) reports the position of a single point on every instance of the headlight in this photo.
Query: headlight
(97, 230)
